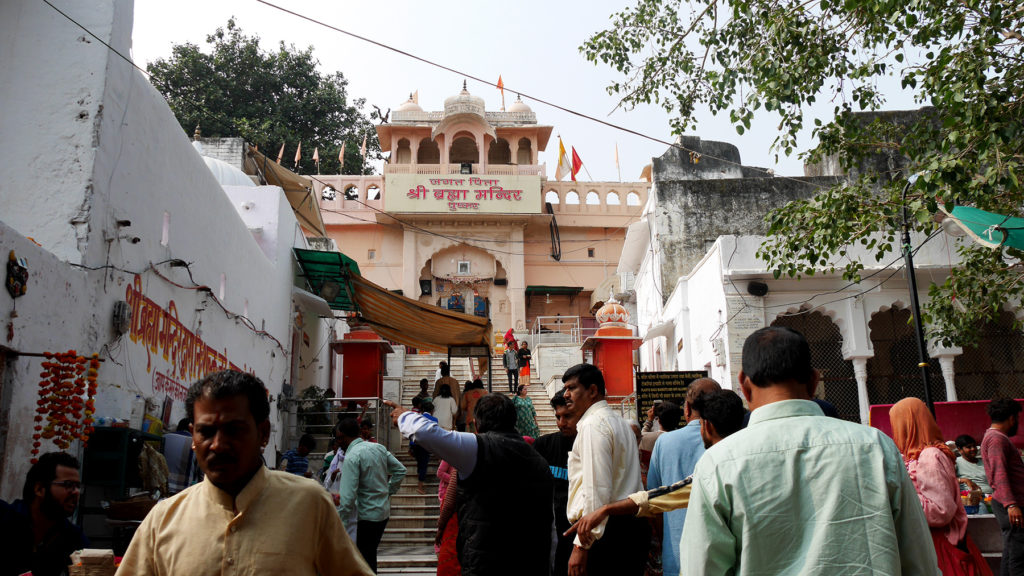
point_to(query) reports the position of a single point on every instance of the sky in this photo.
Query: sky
(532, 44)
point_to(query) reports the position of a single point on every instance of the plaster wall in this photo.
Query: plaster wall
(552, 360)
(139, 196)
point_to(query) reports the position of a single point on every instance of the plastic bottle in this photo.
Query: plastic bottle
(138, 411)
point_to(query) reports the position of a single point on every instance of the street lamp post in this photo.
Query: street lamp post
(915, 307)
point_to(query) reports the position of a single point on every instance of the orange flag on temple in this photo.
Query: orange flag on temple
(362, 149)
(501, 87)
(298, 153)
(576, 163)
(341, 155)
(280, 154)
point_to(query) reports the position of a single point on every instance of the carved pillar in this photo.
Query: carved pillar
(946, 363)
(860, 372)
(481, 145)
(410, 265)
(414, 149)
(516, 281)
(442, 145)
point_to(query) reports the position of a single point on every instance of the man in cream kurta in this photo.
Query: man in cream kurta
(242, 519)
(604, 467)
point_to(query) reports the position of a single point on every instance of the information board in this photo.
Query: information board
(671, 386)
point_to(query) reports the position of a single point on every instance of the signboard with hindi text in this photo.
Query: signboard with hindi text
(462, 193)
(664, 386)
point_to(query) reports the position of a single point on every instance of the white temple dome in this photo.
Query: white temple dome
(519, 106)
(464, 103)
(409, 105)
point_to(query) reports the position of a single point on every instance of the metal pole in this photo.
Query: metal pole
(489, 375)
(915, 308)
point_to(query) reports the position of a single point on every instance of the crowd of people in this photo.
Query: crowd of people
(708, 487)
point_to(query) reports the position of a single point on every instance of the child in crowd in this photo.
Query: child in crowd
(296, 461)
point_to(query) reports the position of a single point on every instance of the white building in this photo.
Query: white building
(112, 209)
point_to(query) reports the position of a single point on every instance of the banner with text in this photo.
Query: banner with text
(462, 193)
(664, 386)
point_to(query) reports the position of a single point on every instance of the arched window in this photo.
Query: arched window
(428, 153)
(499, 152)
(552, 197)
(403, 154)
(593, 199)
(572, 197)
(612, 199)
(352, 192)
(373, 192)
(525, 152)
(329, 193)
(464, 150)
(632, 199)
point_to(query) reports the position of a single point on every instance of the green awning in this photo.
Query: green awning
(571, 290)
(325, 272)
(990, 229)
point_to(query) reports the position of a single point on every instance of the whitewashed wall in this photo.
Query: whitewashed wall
(88, 143)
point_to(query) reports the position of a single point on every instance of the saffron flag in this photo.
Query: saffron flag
(298, 153)
(280, 154)
(341, 156)
(362, 149)
(316, 154)
(576, 163)
(501, 87)
(563, 161)
(416, 97)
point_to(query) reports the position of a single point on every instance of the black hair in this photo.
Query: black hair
(44, 471)
(225, 384)
(495, 413)
(417, 401)
(520, 388)
(423, 383)
(427, 406)
(308, 441)
(723, 408)
(558, 399)
(348, 427)
(478, 383)
(587, 375)
(446, 370)
(777, 354)
(366, 423)
(1002, 409)
(670, 415)
(965, 440)
(182, 425)
(445, 391)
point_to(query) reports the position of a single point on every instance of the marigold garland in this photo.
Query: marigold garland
(62, 414)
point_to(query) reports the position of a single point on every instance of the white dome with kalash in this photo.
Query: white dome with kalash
(409, 105)
(519, 105)
(464, 103)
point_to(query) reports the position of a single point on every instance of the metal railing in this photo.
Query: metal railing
(555, 329)
(319, 416)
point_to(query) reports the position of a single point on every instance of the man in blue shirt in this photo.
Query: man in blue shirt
(369, 476)
(675, 455)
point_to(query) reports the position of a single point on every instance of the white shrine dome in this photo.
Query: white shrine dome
(409, 105)
(519, 106)
(464, 103)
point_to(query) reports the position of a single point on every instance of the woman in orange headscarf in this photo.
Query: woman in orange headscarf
(931, 465)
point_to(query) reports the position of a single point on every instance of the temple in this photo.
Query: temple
(465, 217)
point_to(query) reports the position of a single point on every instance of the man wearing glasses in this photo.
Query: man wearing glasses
(35, 534)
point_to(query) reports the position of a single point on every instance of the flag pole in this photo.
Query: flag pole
(617, 167)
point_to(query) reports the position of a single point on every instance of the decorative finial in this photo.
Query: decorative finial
(197, 133)
(464, 85)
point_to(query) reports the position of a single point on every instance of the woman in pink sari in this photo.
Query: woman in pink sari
(448, 523)
(931, 465)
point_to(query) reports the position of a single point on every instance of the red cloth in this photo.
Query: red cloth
(447, 556)
(954, 561)
(510, 340)
(1003, 467)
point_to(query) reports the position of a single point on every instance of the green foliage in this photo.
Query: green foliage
(961, 59)
(235, 89)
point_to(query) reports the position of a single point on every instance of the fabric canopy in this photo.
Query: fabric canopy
(298, 189)
(989, 229)
(415, 323)
(327, 274)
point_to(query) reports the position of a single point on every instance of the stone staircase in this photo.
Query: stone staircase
(408, 544)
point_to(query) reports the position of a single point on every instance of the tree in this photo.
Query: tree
(267, 98)
(961, 58)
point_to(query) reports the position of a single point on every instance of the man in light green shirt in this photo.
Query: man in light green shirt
(369, 476)
(797, 492)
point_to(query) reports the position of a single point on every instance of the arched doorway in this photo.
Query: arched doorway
(499, 152)
(470, 280)
(995, 366)
(893, 373)
(838, 384)
(464, 150)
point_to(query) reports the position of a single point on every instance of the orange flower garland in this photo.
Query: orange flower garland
(62, 415)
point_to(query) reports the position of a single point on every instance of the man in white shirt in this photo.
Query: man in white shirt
(604, 467)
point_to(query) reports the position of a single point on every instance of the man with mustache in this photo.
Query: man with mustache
(35, 534)
(1005, 471)
(243, 518)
